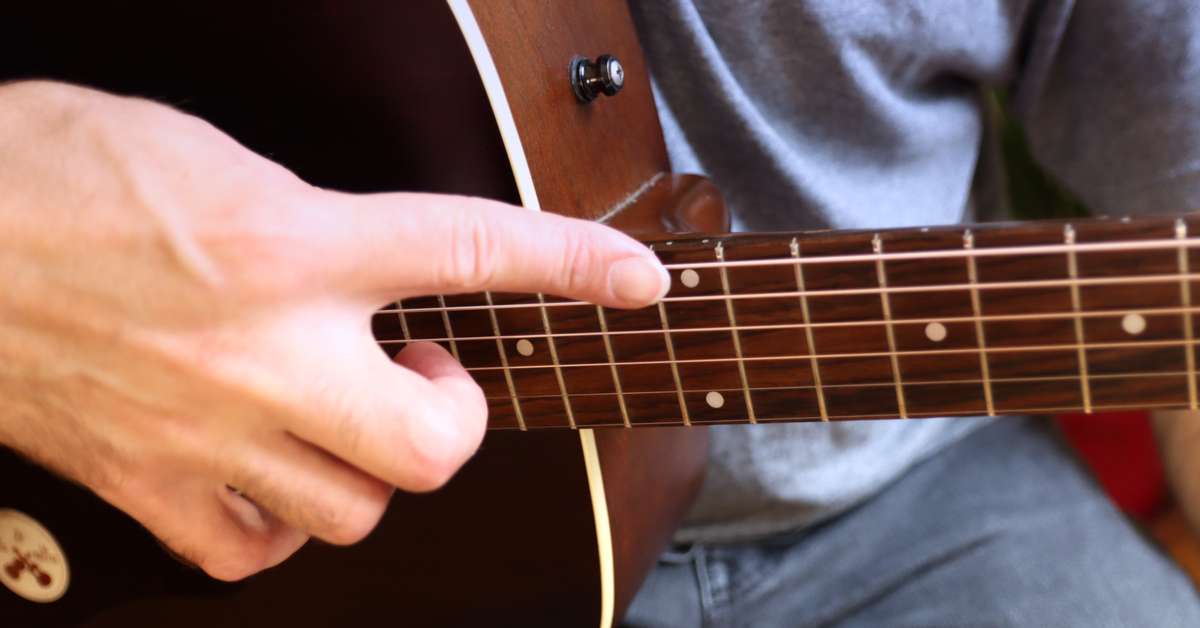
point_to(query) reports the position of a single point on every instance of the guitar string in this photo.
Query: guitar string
(1080, 247)
(1073, 283)
(987, 285)
(989, 318)
(874, 384)
(870, 354)
(974, 252)
(843, 417)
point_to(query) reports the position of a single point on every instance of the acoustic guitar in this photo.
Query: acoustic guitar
(597, 416)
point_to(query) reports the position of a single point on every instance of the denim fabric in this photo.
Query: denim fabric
(866, 114)
(1003, 528)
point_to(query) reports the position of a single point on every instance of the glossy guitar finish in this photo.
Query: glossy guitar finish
(369, 96)
(557, 527)
(1040, 317)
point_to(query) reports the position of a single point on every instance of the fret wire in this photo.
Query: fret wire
(1036, 249)
(666, 330)
(449, 330)
(977, 310)
(512, 389)
(1185, 300)
(735, 335)
(889, 384)
(1161, 311)
(608, 350)
(562, 384)
(881, 274)
(987, 285)
(404, 322)
(813, 362)
(871, 354)
(1085, 387)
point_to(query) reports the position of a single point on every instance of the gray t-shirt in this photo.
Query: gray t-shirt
(868, 113)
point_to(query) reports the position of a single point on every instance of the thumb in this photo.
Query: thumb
(411, 423)
(389, 246)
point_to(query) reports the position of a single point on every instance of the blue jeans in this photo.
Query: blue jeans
(1003, 528)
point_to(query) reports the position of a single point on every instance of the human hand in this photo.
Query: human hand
(179, 315)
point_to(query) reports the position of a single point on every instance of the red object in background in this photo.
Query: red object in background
(1119, 447)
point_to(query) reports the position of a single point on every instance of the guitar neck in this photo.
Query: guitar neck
(997, 319)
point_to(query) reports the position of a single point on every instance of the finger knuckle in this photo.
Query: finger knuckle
(334, 404)
(472, 256)
(579, 263)
(233, 561)
(350, 428)
(354, 516)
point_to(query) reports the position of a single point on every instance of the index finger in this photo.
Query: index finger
(402, 244)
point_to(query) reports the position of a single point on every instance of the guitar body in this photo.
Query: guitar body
(553, 528)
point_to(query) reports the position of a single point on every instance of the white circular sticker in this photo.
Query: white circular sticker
(32, 564)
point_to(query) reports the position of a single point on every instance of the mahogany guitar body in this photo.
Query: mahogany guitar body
(558, 525)
(550, 528)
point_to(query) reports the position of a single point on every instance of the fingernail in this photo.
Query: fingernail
(638, 280)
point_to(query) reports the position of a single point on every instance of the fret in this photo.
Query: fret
(590, 388)
(779, 387)
(885, 303)
(1185, 301)
(714, 385)
(1131, 305)
(949, 302)
(608, 351)
(701, 340)
(508, 380)
(1073, 272)
(848, 354)
(1008, 362)
(767, 327)
(643, 366)
(737, 343)
(551, 345)
(980, 337)
(683, 409)
(945, 322)
(476, 355)
(527, 349)
(422, 325)
(449, 330)
(814, 363)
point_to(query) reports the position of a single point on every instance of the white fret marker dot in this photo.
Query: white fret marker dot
(714, 399)
(689, 278)
(524, 347)
(935, 331)
(1133, 324)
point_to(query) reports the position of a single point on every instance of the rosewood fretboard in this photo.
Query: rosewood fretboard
(1030, 317)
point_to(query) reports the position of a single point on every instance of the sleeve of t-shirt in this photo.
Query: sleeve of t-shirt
(1109, 93)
